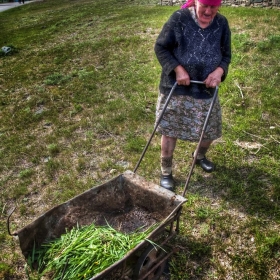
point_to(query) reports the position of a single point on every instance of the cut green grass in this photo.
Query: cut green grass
(83, 252)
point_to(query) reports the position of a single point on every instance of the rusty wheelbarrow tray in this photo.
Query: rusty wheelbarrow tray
(126, 202)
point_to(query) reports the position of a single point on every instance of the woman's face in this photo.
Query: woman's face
(205, 13)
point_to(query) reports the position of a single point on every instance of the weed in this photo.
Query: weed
(56, 79)
(53, 149)
(26, 173)
(5, 270)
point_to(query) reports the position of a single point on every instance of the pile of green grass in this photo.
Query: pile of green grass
(84, 251)
(77, 103)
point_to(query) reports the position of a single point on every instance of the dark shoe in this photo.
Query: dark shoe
(167, 182)
(205, 164)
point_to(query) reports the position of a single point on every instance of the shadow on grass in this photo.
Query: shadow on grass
(196, 260)
(206, 226)
(247, 189)
(193, 259)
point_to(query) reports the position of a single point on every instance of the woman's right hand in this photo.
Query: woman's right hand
(182, 76)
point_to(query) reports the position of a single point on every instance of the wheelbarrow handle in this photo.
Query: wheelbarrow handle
(197, 82)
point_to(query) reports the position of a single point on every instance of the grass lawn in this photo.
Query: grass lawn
(77, 105)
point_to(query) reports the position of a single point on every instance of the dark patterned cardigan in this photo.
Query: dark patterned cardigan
(199, 50)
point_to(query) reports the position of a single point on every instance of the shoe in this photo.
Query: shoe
(167, 182)
(206, 164)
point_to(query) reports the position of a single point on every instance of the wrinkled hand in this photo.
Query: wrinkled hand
(214, 78)
(182, 76)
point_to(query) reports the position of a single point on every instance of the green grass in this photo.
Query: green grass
(77, 105)
(86, 250)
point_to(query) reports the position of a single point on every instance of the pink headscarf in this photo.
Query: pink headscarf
(190, 3)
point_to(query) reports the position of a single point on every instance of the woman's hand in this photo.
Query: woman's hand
(214, 78)
(182, 76)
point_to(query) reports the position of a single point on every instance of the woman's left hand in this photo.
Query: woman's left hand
(214, 78)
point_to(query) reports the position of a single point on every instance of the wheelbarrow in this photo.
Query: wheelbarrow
(127, 202)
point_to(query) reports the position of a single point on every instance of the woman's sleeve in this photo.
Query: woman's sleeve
(226, 50)
(165, 44)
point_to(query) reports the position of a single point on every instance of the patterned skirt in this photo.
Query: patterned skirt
(184, 118)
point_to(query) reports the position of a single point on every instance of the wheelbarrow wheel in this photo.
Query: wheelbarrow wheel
(147, 261)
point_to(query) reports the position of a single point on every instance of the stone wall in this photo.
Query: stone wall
(234, 3)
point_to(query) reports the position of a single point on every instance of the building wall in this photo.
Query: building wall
(234, 3)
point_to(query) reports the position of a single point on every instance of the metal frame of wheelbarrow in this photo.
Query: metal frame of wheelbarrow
(127, 187)
(163, 260)
(201, 136)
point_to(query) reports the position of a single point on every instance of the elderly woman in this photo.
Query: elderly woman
(194, 44)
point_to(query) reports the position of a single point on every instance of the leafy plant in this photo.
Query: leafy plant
(56, 79)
